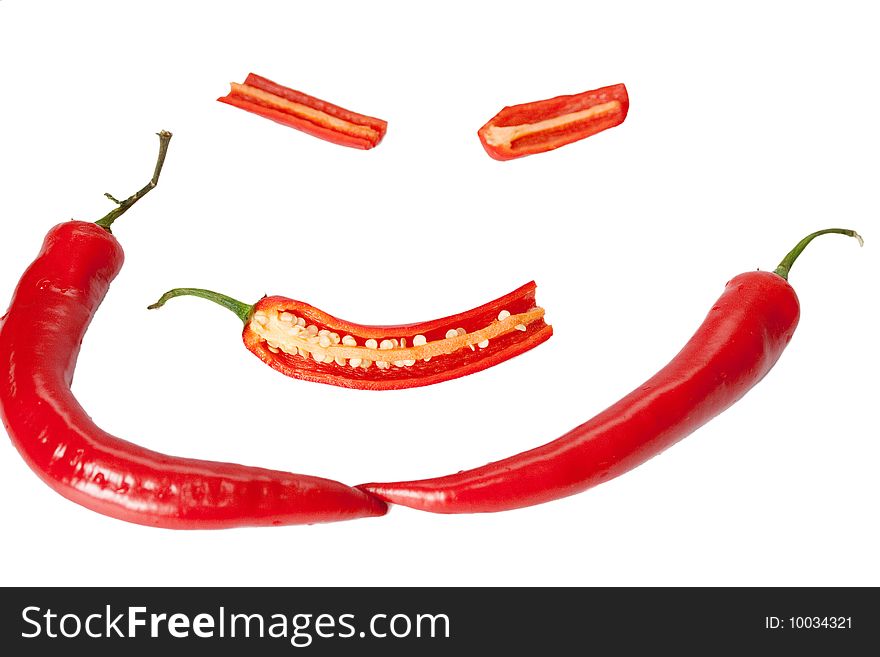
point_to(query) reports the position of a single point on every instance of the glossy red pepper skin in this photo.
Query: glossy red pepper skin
(40, 337)
(740, 340)
(605, 108)
(357, 131)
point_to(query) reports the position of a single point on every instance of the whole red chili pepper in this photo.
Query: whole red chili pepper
(40, 337)
(544, 125)
(306, 113)
(737, 344)
(303, 342)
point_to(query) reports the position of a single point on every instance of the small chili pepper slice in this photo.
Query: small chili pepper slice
(306, 343)
(40, 337)
(306, 113)
(740, 340)
(544, 125)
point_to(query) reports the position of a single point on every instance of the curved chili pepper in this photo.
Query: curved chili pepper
(306, 113)
(737, 344)
(40, 337)
(544, 125)
(306, 343)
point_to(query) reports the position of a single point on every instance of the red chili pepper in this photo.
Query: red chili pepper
(547, 124)
(737, 344)
(40, 336)
(306, 343)
(306, 113)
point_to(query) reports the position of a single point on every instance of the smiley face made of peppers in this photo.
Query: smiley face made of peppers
(738, 343)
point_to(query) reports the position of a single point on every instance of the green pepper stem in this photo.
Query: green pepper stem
(122, 206)
(242, 310)
(785, 266)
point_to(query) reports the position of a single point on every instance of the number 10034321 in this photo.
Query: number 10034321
(809, 622)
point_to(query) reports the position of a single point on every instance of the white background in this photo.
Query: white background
(748, 128)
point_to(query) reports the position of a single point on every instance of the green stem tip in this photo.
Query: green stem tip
(785, 266)
(242, 310)
(122, 206)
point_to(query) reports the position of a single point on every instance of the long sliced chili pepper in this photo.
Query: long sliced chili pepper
(306, 343)
(40, 336)
(306, 113)
(737, 344)
(547, 124)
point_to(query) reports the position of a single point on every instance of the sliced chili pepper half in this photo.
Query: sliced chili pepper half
(306, 113)
(548, 124)
(307, 343)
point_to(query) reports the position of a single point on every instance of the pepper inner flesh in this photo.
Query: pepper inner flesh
(285, 331)
(303, 111)
(505, 135)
